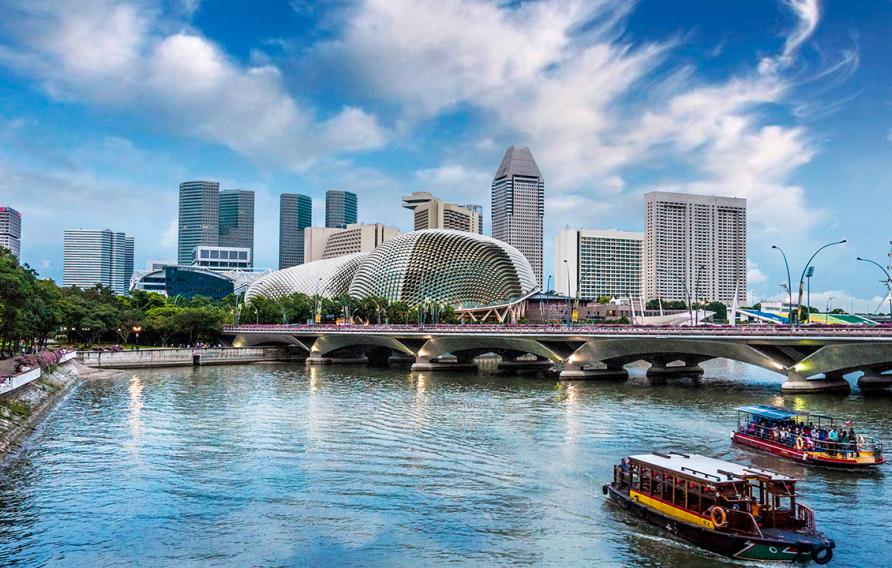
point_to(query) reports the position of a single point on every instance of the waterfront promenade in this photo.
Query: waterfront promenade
(813, 358)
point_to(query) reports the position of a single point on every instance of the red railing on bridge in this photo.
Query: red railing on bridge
(879, 331)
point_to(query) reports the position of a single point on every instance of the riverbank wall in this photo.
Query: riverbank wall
(22, 408)
(150, 358)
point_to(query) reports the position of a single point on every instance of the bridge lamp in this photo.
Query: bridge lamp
(888, 280)
(802, 278)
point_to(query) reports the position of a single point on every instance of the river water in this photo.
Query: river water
(278, 465)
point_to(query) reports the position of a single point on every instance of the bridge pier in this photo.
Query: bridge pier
(507, 366)
(426, 364)
(660, 369)
(798, 384)
(874, 379)
(611, 372)
(314, 360)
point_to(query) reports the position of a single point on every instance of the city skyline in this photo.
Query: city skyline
(783, 96)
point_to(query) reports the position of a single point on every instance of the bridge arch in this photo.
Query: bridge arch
(476, 345)
(627, 350)
(327, 344)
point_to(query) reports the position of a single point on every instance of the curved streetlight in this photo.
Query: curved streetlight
(888, 280)
(789, 284)
(802, 278)
(697, 290)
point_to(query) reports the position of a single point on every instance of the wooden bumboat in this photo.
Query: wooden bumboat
(773, 429)
(737, 511)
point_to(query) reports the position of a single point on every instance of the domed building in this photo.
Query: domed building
(328, 278)
(453, 267)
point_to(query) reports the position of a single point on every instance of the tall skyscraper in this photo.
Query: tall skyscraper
(340, 208)
(694, 247)
(11, 230)
(478, 210)
(602, 262)
(433, 213)
(295, 215)
(94, 257)
(518, 205)
(237, 218)
(199, 217)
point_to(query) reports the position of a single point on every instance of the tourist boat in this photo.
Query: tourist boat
(803, 437)
(742, 512)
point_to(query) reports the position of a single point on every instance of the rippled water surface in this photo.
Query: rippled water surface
(276, 465)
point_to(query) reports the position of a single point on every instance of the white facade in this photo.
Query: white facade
(94, 257)
(222, 258)
(694, 247)
(431, 212)
(604, 262)
(328, 242)
(11, 230)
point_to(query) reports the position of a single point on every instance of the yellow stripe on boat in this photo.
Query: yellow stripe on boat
(671, 510)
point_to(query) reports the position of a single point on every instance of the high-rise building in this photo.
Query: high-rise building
(602, 262)
(237, 218)
(478, 210)
(295, 215)
(11, 230)
(94, 257)
(199, 217)
(433, 213)
(518, 205)
(327, 242)
(340, 208)
(694, 247)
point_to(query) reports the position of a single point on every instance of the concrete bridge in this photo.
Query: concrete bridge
(814, 359)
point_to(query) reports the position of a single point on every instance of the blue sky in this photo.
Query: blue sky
(106, 106)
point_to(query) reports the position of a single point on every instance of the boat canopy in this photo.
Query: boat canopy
(770, 412)
(776, 412)
(705, 468)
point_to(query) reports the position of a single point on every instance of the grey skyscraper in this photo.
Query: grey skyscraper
(295, 215)
(237, 218)
(11, 230)
(340, 208)
(94, 257)
(199, 217)
(518, 205)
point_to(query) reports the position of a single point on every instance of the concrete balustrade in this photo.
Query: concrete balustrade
(187, 357)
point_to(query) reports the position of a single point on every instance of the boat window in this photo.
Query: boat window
(693, 496)
(645, 480)
(679, 493)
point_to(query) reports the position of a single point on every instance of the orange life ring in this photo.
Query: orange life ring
(721, 514)
(800, 443)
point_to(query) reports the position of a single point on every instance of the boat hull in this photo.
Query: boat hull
(743, 547)
(805, 456)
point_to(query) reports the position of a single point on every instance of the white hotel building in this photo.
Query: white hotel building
(694, 247)
(604, 262)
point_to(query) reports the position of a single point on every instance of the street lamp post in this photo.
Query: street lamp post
(802, 278)
(808, 274)
(569, 306)
(789, 284)
(888, 281)
(697, 289)
(136, 330)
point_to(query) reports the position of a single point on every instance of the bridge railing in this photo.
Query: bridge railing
(591, 329)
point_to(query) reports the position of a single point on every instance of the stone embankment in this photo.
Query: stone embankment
(146, 358)
(22, 408)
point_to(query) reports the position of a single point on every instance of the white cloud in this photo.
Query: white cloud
(122, 55)
(754, 274)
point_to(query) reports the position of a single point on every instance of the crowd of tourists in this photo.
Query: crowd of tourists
(806, 436)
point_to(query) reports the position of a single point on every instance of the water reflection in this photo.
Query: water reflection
(285, 465)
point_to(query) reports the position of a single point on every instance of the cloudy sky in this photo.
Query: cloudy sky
(106, 106)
